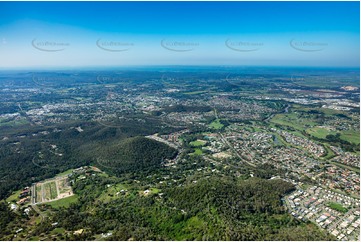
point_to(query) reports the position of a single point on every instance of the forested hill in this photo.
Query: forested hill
(213, 208)
(249, 196)
(27, 156)
(133, 154)
(237, 209)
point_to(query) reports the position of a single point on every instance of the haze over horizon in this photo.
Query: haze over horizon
(106, 34)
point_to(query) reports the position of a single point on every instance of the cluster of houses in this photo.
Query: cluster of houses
(24, 196)
(174, 137)
(254, 144)
(299, 165)
(313, 204)
(25, 192)
(346, 158)
(336, 177)
(185, 118)
(214, 145)
(238, 109)
(85, 169)
(257, 147)
(310, 146)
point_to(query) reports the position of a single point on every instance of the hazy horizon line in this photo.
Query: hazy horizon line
(26, 68)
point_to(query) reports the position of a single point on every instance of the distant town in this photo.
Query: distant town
(251, 126)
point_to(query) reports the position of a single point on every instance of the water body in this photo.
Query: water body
(276, 140)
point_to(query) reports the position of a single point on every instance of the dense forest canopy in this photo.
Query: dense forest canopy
(34, 159)
(212, 209)
(133, 154)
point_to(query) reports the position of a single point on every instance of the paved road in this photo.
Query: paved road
(37, 210)
(243, 159)
(341, 219)
(225, 141)
(33, 193)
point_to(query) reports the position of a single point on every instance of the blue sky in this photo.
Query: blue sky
(81, 34)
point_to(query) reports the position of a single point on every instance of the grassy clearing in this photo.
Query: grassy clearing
(302, 119)
(281, 120)
(197, 151)
(216, 124)
(64, 202)
(111, 192)
(58, 231)
(352, 136)
(293, 120)
(38, 193)
(21, 121)
(330, 153)
(320, 133)
(14, 197)
(50, 190)
(337, 207)
(328, 111)
(198, 143)
(65, 173)
(53, 191)
(38, 220)
(154, 190)
(281, 141)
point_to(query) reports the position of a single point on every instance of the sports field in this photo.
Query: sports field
(216, 124)
(198, 143)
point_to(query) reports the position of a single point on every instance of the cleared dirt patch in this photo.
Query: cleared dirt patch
(52, 190)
